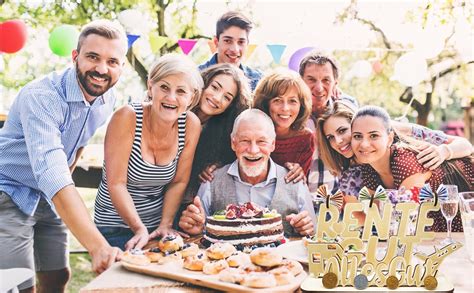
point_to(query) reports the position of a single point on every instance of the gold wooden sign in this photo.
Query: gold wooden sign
(355, 253)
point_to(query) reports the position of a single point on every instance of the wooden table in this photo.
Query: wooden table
(457, 267)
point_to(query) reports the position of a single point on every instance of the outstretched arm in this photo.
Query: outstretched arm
(73, 212)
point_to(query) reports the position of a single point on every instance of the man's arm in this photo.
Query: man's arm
(78, 156)
(73, 212)
(42, 118)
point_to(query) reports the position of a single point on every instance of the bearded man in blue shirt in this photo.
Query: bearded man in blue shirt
(49, 123)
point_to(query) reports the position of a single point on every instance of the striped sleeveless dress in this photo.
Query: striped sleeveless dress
(146, 182)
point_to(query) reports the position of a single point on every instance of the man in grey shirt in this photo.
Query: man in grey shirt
(252, 177)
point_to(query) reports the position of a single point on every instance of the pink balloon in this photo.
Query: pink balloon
(13, 35)
(377, 66)
(295, 59)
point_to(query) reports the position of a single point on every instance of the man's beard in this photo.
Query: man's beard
(91, 89)
(252, 171)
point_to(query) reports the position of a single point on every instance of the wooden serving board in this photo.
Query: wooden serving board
(176, 272)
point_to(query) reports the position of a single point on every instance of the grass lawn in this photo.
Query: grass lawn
(81, 262)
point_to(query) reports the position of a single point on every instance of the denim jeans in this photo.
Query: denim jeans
(116, 236)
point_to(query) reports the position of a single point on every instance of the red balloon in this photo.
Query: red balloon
(13, 36)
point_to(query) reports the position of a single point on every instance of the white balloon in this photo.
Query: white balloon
(131, 19)
(429, 43)
(362, 69)
(410, 69)
(2, 63)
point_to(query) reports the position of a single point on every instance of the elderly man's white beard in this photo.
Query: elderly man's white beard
(252, 171)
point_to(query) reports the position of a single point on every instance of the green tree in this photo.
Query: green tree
(173, 19)
(450, 78)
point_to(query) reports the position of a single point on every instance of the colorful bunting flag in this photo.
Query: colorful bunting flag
(157, 41)
(212, 46)
(250, 49)
(131, 39)
(277, 52)
(186, 45)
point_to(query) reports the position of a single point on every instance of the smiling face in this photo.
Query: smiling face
(370, 139)
(171, 96)
(218, 95)
(337, 131)
(253, 145)
(231, 45)
(320, 80)
(284, 109)
(99, 64)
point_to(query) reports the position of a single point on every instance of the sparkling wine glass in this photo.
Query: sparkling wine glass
(466, 207)
(449, 207)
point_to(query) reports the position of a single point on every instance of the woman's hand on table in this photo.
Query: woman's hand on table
(164, 230)
(193, 218)
(139, 240)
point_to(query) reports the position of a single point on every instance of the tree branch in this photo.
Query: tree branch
(375, 28)
(449, 70)
(407, 96)
(138, 66)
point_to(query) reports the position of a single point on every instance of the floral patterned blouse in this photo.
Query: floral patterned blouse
(403, 163)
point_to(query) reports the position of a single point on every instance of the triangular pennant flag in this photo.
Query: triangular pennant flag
(157, 42)
(131, 39)
(277, 51)
(186, 45)
(212, 46)
(250, 49)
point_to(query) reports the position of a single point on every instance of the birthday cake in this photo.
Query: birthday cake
(246, 225)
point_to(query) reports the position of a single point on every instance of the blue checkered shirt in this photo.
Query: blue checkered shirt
(253, 75)
(47, 123)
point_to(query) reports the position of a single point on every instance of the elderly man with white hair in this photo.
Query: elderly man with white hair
(252, 177)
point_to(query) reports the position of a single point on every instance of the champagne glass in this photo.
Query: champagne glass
(449, 207)
(466, 207)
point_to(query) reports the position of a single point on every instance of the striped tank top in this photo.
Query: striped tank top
(145, 182)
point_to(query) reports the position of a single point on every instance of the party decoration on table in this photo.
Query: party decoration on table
(335, 199)
(276, 51)
(379, 194)
(339, 255)
(427, 194)
(63, 39)
(442, 192)
(186, 45)
(13, 36)
(415, 194)
(132, 39)
(298, 55)
(157, 41)
(250, 49)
